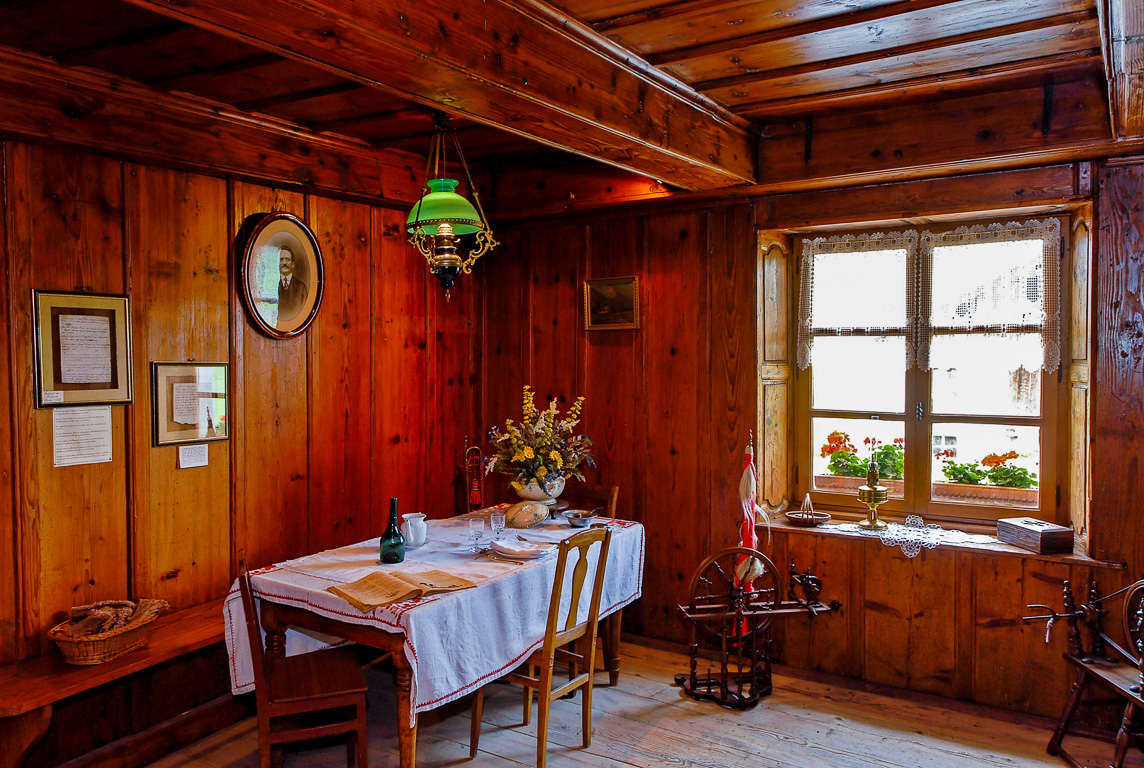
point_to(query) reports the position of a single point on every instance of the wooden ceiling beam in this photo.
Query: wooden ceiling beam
(1062, 21)
(925, 88)
(413, 113)
(1063, 122)
(1122, 37)
(90, 109)
(515, 65)
(814, 26)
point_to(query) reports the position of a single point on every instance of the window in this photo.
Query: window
(935, 352)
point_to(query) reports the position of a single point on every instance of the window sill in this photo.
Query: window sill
(780, 525)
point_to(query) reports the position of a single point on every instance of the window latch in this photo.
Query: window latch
(920, 410)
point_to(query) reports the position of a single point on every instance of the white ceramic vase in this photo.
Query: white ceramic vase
(545, 494)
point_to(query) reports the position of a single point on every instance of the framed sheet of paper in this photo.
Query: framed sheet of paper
(190, 402)
(83, 349)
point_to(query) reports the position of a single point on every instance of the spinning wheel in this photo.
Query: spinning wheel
(716, 587)
(734, 597)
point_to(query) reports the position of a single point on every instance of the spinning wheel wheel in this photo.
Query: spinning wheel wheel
(735, 595)
(1133, 617)
(716, 586)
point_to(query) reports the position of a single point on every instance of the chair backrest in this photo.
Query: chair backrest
(600, 495)
(582, 543)
(254, 638)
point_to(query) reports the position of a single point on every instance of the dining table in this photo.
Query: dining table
(443, 646)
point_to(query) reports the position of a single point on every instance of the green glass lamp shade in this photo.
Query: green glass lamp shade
(443, 204)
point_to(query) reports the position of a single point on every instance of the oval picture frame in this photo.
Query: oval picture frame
(283, 278)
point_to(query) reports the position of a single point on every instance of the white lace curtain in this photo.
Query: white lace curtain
(923, 284)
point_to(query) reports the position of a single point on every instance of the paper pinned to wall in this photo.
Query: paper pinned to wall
(193, 455)
(81, 436)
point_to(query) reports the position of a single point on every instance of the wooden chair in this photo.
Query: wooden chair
(574, 644)
(596, 496)
(328, 682)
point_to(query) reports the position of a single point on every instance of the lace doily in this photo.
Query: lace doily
(916, 534)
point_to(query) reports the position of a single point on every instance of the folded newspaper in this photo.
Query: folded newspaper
(381, 588)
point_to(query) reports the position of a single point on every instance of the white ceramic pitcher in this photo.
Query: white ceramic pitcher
(414, 529)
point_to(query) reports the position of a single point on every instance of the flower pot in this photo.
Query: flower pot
(546, 494)
(843, 483)
(984, 494)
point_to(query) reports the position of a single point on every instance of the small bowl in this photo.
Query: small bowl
(579, 518)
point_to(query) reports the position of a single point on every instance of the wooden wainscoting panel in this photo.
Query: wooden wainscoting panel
(65, 233)
(272, 511)
(733, 266)
(932, 660)
(613, 413)
(177, 244)
(1117, 389)
(398, 350)
(505, 329)
(554, 280)
(452, 385)
(10, 410)
(674, 337)
(340, 379)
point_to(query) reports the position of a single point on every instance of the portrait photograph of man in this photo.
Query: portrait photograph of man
(282, 276)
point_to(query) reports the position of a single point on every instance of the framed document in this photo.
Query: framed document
(83, 349)
(611, 304)
(190, 402)
(282, 275)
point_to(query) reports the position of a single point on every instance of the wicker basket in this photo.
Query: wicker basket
(105, 646)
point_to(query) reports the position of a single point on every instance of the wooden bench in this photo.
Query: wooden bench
(29, 688)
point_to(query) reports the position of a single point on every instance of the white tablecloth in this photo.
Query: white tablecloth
(457, 641)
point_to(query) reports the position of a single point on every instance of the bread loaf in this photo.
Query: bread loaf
(525, 514)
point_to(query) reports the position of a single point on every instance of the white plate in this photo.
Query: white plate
(522, 549)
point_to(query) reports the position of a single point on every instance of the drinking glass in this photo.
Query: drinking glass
(497, 520)
(476, 530)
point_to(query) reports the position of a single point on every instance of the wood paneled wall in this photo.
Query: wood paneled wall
(670, 405)
(1117, 389)
(373, 401)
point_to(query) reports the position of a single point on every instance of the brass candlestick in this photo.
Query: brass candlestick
(872, 495)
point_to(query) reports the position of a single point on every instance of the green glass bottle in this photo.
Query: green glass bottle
(392, 542)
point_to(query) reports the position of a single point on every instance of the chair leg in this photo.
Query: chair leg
(586, 702)
(1122, 736)
(362, 737)
(475, 726)
(277, 758)
(351, 750)
(528, 696)
(543, 703)
(1068, 712)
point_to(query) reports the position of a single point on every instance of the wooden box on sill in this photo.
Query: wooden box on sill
(1038, 536)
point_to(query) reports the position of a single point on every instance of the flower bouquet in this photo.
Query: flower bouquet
(542, 449)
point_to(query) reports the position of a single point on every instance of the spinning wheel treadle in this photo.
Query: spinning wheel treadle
(735, 595)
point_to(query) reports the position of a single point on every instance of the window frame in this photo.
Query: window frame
(1053, 475)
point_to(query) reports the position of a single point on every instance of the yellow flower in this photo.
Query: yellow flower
(528, 453)
(554, 456)
(542, 471)
(559, 462)
(516, 485)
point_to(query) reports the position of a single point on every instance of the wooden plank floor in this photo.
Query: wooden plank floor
(647, 722)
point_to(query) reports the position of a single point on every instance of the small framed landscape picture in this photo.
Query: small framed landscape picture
(83, 349)
(282, 275)
(190, 402)
(611, 304)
